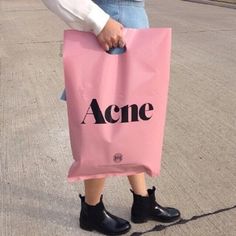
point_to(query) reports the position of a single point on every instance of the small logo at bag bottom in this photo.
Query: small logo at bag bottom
(117, 157)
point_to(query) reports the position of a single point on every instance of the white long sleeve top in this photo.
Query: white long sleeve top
(83, 15)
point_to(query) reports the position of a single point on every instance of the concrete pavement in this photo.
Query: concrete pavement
(199, 157)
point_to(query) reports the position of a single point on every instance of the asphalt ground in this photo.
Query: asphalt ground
(198, 169)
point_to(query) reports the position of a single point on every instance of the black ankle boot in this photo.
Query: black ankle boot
(99, 219)
(146, 208)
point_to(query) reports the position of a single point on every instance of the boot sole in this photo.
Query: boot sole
(140, 221)
(90, 229)
(167, 221)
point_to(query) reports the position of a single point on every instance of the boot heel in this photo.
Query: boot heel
(85, 226)
(137, 220)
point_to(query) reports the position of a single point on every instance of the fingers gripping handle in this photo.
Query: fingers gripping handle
(122, 45)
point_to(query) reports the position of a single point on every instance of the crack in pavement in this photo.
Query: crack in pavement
(161, 227)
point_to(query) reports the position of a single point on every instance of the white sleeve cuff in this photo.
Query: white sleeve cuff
(97, 19)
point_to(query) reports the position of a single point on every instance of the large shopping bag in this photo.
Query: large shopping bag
(116, 103)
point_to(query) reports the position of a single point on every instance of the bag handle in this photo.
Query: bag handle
(118, 50)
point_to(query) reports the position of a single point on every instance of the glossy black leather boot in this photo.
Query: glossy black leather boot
(99, 219)
(146, 208)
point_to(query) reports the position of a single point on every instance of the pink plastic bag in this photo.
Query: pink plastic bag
(116, 103)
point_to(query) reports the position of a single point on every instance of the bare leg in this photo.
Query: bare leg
(138, 184)
(93, 190)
